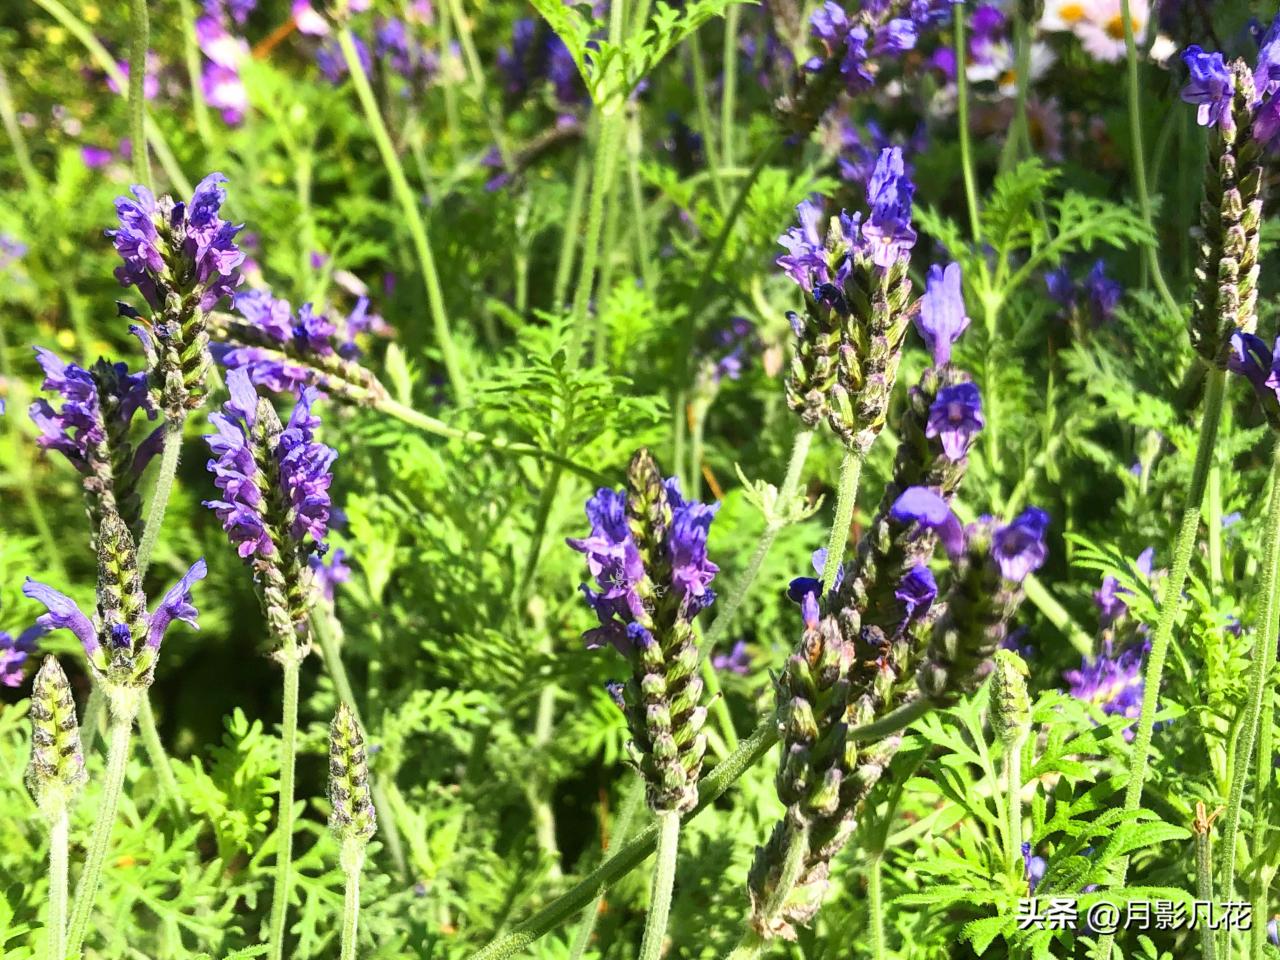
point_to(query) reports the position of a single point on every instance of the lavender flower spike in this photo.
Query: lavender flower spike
(1019, 548)
(888, 229)
(1210, 86)
(942, 318)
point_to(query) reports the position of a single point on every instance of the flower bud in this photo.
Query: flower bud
(353, 816)
(56, 771)
(1010, 704)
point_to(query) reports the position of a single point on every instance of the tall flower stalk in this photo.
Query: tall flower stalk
(122, 645)
(849, 341)
(1224, 304)
(55, 777)
(647, 551)
(274, 483)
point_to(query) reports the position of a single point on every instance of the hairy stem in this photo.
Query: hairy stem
(569, 238)
(99, 840)
(846, 497)
(773, 526)
(284, 806)
(1204, 888)
(1170, 603)
(412, 211)
(352, 861)
(621, 827)
(160, 763)
(1261, 882)
(729, 94)
(1013, 805)
(875, 906)
(664, 879)
(1264, 655)
(191, 57)
(160, 493)
(56, 924)
(140, 36)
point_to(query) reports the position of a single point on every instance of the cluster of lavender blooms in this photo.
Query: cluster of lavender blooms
(183, 259)
(122, 642)
(395, 48)
(647, 552)
(888, 635)
(1095, 297)
(283, 351)
(14, 653)
(1240, 106)
(857, 291)
(91, 429)
(860, 150)
(275, 507)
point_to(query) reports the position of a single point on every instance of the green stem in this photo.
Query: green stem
(846, 496)
(284, 830)
(476, 70)
(875, 906)
(322, 631)
(703, 109)
(962, 116)
(638, 209)
(622, 826)
(569, 239)
(140, 36)
(352, 861)
(729, 66)
(1171, 602)
(56, 924)
(439, 428)
(108, 802)
(171, 449)
(1204, 888)
(160, 763)
(1264, 655)
(664, 879)
(719, 706)
(1013, 806)
(1152, 250)
(710, 789)
(107, 64)
(742, 586)
(191, 55)
(612, 218)
(18, 143)
(412, 211)
(1261, 823)
(606, 152)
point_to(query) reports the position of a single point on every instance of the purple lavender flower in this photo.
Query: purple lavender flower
(801, 587)
(805, 261)
(1209, 86)
(942, 318)
(1273, 931)
(955, 417)
(14, 652)
(1266, 124)
(329, 575)
(895, 37)
(829, 25)
(300, 468)
(1266, 76)
(193, 231)
(1060, 286)
(1113, 683)
(737, 660)
(104, 646)
(922, 506)
(11, 250)
(95, 158)
(394, 45)
(1019, 548)
(1108, 598)
(916, 591)
(1033, 868)
(1103, 293)
(888, 229)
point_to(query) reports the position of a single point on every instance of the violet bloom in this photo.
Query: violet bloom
(1108, 598)
(805, 261)
(941, 317)
(1266, 124)
(829, 25)
(988, 31)
(150, 81)
(329, 575)
(737, 660)
(922, 506)
(801, 587)
(105, 647)
(195, 231)
(1112, 683)
(95, 158)
(888, 229)
(1209, 86)
(955, 417)
(14, 652)
(1266, 76)
(1033, 868)
(916, 591)
(895, 37)
(1061, 288)
(1251, 358)
(1019, 548)
(299, 474)
(1102, 293)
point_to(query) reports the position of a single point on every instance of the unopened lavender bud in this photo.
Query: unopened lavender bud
(1010, 703)
(56, 771)
(353, 816)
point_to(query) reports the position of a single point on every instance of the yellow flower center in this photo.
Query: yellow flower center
(1071, 12)
(1115, 27)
